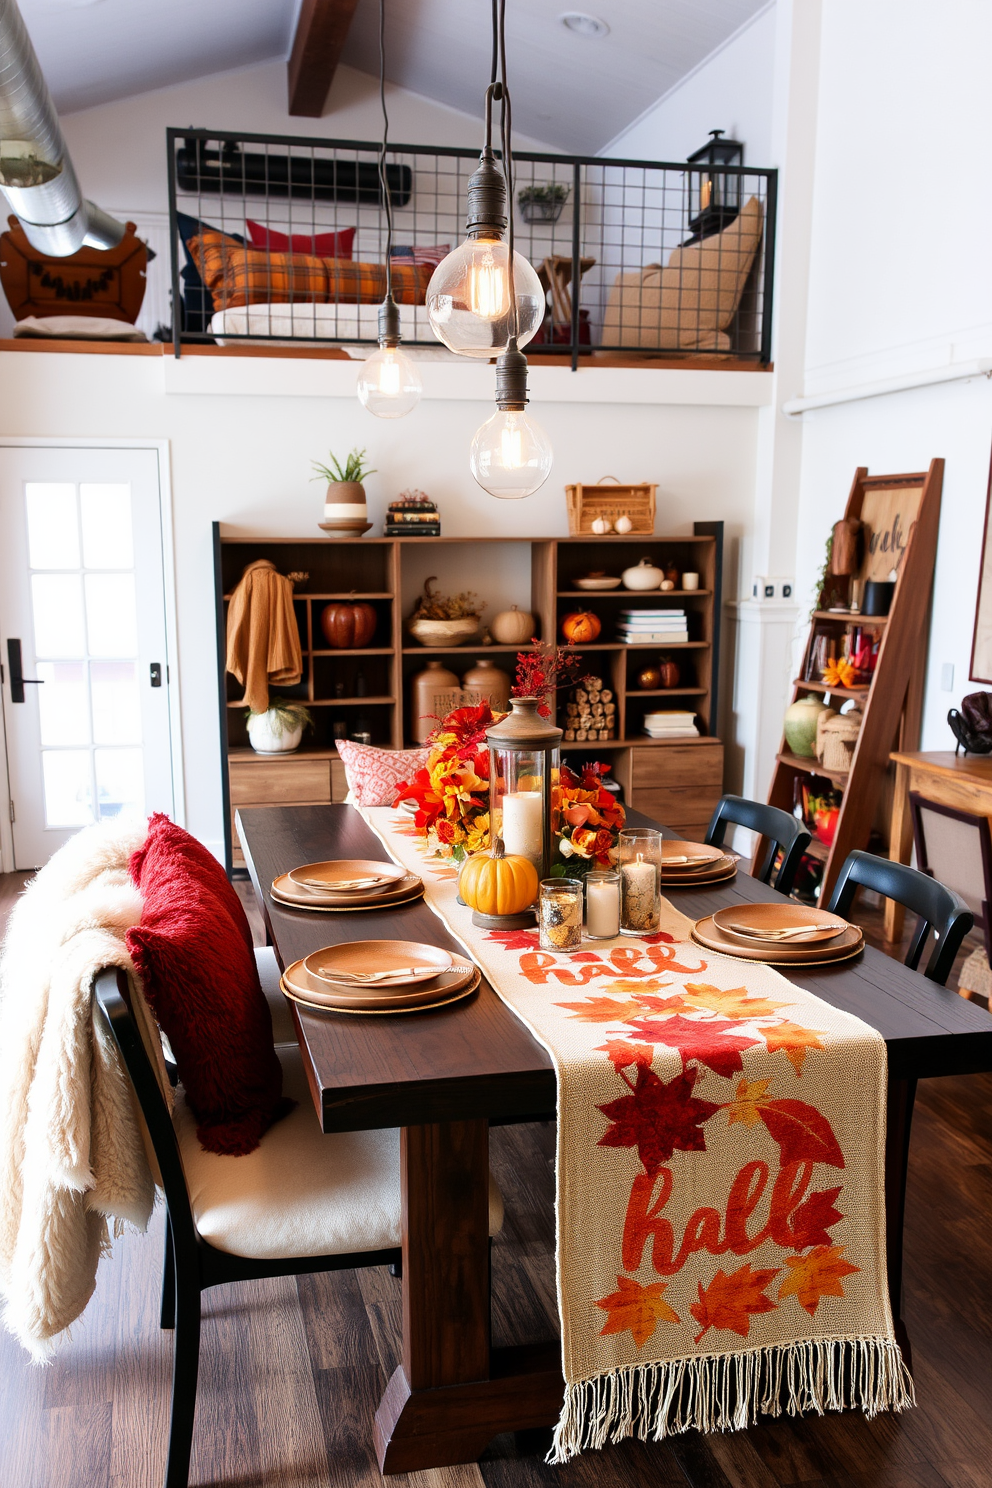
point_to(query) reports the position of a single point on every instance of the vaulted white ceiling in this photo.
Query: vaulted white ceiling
(577, 93)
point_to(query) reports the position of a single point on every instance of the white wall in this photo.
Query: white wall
(899, 282)
(732, 90)
(243, 432)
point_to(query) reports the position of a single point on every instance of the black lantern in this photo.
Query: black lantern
(714, 195)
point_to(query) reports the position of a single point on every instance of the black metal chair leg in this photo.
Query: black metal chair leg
(185, 1368)
(168, 1280)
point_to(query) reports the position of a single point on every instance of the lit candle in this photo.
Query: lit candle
(523, 823)
(603, 905)
(642, 911)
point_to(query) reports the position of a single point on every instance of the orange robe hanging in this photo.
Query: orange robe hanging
(263, 642)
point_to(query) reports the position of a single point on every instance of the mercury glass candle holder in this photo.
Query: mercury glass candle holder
(639, 858)
(560, 914)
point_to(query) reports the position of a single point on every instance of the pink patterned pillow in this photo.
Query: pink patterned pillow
(374, 774)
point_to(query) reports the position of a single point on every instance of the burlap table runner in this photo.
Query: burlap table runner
(720, 1208)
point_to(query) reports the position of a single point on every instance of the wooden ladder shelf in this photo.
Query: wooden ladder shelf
(901, 514)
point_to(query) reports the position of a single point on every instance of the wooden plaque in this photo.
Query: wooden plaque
(108, 282)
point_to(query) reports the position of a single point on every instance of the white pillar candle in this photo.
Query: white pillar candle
(602, 908)
(522, 823)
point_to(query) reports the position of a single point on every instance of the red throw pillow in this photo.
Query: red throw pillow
(321, 245)
(193, 951)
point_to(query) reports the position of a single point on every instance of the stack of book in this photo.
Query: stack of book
(671, 724)
(653, 627)
(412, 515)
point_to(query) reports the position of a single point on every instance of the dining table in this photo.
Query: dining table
(443, 1077)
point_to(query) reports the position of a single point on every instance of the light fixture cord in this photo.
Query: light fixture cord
(506, 135)
(383, 185)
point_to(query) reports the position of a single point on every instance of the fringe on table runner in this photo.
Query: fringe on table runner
(728, 1392)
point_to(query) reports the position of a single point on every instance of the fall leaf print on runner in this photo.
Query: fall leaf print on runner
(636, 1309)
(729, 1302)
(816, 1275)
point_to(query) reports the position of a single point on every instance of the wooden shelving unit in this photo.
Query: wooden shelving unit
(902, 514)
(678, 780)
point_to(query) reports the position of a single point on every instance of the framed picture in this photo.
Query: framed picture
(981, 644)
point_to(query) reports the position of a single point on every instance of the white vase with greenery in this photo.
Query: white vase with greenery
(280, 728)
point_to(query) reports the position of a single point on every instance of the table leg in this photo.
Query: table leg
(452, 1393)
(899, 1117)
(900, 828)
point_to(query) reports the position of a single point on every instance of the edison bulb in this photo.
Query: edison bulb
(389, 384)
(511, 455)
(468, 298)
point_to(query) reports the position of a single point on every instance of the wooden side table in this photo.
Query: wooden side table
(961, 780)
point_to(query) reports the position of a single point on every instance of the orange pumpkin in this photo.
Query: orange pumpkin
(581, 627)
(497, 882)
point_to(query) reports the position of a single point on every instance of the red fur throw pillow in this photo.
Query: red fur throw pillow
(193, 951)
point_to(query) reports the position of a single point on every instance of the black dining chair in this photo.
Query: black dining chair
(301, 1202)
(780, 831)
(940, 910)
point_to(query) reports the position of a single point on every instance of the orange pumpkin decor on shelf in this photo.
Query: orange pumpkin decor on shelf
(497, 882)
(347, 626)
(581, 627)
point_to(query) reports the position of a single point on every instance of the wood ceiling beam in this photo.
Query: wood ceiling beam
(321, 32)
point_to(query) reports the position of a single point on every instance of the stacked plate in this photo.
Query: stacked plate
(781, 934)
(346, 885)
(378, 977)
(685, 864)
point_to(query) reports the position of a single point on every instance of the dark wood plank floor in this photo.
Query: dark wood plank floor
(292, 1369)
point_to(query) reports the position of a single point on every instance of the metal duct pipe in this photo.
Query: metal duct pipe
(36, 172)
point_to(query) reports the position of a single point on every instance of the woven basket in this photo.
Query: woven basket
(586, 503)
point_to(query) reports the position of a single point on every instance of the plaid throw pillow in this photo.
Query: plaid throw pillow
(374, 774)
(253, 276)
(420, 254)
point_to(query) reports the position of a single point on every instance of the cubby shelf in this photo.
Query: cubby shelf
(667, 782)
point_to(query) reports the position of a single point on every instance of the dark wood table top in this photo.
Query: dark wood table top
(476, 1059)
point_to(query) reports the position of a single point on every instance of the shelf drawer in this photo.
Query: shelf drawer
(678, 806)
(280, 782)
(678, 765)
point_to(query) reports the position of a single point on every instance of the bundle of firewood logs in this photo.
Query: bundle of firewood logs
(590, 712)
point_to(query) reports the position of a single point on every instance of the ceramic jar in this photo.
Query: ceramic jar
(266, 734)
(491, 683)
(513, 627)
(425, 689)
(642, 576)
(345, 512)
(800, 725)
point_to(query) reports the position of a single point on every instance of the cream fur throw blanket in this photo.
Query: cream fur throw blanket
(72, 1155)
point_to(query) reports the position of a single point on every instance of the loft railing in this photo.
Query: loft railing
(671, 260)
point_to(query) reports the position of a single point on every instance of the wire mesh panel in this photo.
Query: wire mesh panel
(284, 239)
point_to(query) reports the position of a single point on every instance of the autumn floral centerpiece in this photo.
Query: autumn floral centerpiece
(451, 792)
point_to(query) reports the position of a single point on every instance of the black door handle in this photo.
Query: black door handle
(18, 681)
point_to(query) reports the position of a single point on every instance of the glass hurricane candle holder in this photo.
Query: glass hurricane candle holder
(639, 857)
(603, 904)
(523, 774)
(561, 914)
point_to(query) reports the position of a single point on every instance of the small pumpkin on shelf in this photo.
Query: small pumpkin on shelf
(581, 627)
(497, 885)
(669, 672)
(347, 625)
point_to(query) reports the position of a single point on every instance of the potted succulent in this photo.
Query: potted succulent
(280, 728)
(542, 203)
(444, 619)
(345, 512)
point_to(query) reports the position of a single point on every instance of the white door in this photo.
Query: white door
(82, 641)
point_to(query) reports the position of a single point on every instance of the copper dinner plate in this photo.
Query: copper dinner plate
(672, 878)
(849, 943)
(762, 920)
(397, 963)
(317, 997)
(366, 875)
(285, 891)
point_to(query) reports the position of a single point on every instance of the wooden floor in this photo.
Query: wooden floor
(292, 1369)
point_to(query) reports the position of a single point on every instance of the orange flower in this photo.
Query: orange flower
(839, 673)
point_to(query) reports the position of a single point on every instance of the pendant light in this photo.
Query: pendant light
(511, 455)
(388, 384)
(469, 302)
